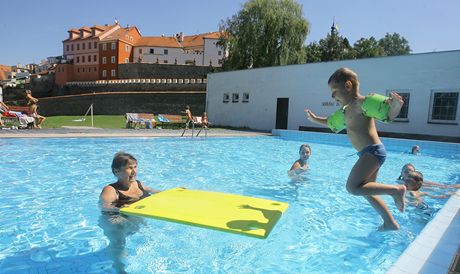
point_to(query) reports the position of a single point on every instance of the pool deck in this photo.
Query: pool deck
(436, 250)
(88, 132)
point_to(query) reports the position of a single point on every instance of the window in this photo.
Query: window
(113, 73)
(83, 69)
(104, 60)
(78, 59)
(89, 45)
(83, 46)
(67, 47)
(152, 51)
(245, 98)
(95, 58)
(165, 52)
(71, 47)
(126, 60)
(127, 48)
(112, 59)
(140, 51)
(444, 104)
(226, 98)
(89, 58)
(165, 61)
(78, 46)
(95, 45)
(114, 46)
(104, 73)
(235, 97)
(83, 59)
(404, 113)
(78, 70)
(104, 46)
(219, 52)
(95, 69)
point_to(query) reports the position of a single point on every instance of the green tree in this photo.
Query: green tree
(335, 47)
(365, 48)
(265, 33)
(394, 44)
(312, 53)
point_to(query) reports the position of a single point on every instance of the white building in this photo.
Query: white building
(199, 50)
(276, 97)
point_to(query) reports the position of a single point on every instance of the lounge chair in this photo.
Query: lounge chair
(18, 116)
(138, 119)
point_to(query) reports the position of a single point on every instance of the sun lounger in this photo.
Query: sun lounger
(18, 119)
(140, 119)
(168, 118)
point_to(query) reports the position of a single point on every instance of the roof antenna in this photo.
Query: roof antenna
(116, 21)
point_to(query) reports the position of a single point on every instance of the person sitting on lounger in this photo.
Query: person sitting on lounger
(32, 103)
(3, 108)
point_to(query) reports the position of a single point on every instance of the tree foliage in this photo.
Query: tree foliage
(367, 47)
(394, 44)
(265, 33)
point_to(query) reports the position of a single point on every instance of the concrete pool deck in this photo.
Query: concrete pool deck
(435, 250)
(88, 132)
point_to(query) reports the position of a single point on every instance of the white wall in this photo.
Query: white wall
(306, 86)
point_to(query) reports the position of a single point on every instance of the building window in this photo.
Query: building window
(83, 69)
(95, 69)
(67, 47)
(245, 98)
(89, 45)
(165, 61)
(95, 58)
(140, 51)
(444, 105)
(83, 46)
(71, 47)
(104, 46)
(404, 113)
(219, 52)
(113, 73)
(127, 48)
(226, 98)
(95, 45)
(104, 73)
(126, 60)
(112, 59)
(152, 51)
(165, 52)
(89, 58)
(83, 58)
(78, 70)
(78, 59)
(235, 97)
(114, 46)
(104, 60)
(78, 46)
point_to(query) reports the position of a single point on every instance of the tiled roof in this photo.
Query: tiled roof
(158, 41)
(120, 34)
(198, 40)
(4, 71)
(102, 28)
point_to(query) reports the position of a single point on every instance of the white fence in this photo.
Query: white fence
(139, 81)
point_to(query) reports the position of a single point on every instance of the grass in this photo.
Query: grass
(100, 121)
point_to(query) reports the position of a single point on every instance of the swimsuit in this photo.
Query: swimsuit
(123, 199)
(378, 150)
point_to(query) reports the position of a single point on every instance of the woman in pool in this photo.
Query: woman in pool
(300, 166)
(124, 191)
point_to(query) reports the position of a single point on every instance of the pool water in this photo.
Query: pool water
(50, 218)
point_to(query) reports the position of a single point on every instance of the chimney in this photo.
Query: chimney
(181, 38)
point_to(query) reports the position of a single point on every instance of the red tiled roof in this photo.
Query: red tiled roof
(158, 41)
(120, 34)
(198, 40)
(102, 28)
(4, 71)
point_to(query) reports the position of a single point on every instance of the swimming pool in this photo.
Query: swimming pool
(50, 220)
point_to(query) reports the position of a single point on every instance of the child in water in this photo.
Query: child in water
(300, 166)
(363, 136)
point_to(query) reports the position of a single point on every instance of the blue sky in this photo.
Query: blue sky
(33, 30)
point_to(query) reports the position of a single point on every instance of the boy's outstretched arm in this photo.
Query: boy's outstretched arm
(315, 119)
(396, 102)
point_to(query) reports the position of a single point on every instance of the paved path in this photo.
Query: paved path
(82, 132)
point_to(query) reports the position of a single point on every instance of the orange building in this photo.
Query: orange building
(4, 71)
(81, 53)
(116, 48)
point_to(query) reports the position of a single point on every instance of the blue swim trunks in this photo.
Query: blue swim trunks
(378, 150)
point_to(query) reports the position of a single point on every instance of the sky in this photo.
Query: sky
(32, 30)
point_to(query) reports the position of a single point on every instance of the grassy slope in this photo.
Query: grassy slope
(100, 121)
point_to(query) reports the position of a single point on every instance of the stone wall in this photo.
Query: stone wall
(146, 71)
(121, 103)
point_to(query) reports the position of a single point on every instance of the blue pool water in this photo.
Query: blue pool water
(50, 221)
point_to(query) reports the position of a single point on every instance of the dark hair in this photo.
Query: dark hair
(121, 159)
(304, 145)
(343, 75)
(187, 107)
